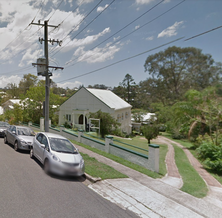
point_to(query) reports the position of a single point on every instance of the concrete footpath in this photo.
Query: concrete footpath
(149, 197)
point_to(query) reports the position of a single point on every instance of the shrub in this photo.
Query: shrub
(211, 154)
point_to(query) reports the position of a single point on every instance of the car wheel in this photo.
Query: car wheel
(16, 146)
(31, 153)
(46, 167)
(5, 140)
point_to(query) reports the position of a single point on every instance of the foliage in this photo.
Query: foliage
(27, 81)
(176, 70)
(117, 132)
(150, 131)
(107, 122)
(209, 153)
(127, 89)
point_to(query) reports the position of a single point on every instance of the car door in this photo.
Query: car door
(37, 148)
(11, 135)
(44, 150)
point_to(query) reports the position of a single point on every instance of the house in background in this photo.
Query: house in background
(9, 105)
(145, 119)
(76, 109)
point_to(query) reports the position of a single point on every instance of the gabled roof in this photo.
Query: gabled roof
(109, 98)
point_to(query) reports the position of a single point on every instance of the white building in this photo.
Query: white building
(9, 105)
(77, 108)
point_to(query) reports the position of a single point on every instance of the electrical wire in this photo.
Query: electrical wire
(78, 24)
(56, 9)
(127, 34)
(122, 60)
(24, 29)
(203, 33)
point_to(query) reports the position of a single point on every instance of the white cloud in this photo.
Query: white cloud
(81, 2)
(170, 31)
(150, 38)
(97, 54)
(30, 56)
(84, 41)
(136, 27)
(100, 9)
(142, 2)
(4, 80)
(116, 38)
(70, 85)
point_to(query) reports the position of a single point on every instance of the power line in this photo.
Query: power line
(67, 16)
(56, 9)
(79, 23)
(122, 60)
(18, 70)
(87, 25)
(24, 29)
(203, 33)
(128, 33)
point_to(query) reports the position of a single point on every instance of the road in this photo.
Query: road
(25, 191)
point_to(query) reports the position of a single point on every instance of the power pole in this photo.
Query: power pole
(46, 65)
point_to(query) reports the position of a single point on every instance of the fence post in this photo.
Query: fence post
(50, 123)
(80, 133)
(29, 124)
(153, 159)
(108, 140)
(61, 128)
(42, 127)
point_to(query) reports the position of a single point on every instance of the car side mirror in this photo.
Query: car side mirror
(13, 132)
(42, 145)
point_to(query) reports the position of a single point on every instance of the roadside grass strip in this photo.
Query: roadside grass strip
(193, 184)
(163, 151)
(98, 169)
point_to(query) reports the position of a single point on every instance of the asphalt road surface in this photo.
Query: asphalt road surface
(26, 192)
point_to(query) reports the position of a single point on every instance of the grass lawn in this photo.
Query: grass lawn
(193, 183)
(163, 151)
(136, 141)
(97, 169)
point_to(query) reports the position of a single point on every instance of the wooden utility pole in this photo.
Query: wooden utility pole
(46, 73)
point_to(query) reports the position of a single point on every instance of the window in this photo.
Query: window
(126, 115)
(68, 117)
(122, 116)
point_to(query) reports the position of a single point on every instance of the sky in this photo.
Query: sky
(102, 40)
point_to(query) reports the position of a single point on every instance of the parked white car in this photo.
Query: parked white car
(57, 154)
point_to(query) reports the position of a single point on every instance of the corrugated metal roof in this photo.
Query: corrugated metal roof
(109, 98)
(15, 101)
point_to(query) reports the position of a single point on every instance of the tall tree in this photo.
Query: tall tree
(176, 70)
(26, 82)
(129, 85)
(12, 90)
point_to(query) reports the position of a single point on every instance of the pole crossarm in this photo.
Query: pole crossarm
(61, 68)
(39, 24)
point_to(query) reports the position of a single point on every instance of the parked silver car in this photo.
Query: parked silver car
(57, 154)
(19, 136)
(3, 127)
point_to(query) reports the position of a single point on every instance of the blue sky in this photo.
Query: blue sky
(79, 53)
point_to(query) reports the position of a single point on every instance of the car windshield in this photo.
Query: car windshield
(4, 124)
(62, 145)
(25, 131)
